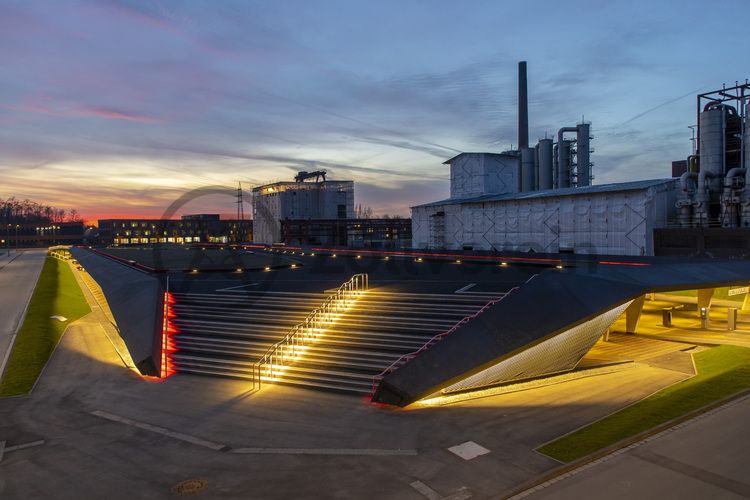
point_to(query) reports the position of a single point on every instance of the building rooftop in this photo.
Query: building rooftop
(506, 154)
(549, 193)
(285, 185)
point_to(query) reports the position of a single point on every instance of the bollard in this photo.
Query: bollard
(666, 317)
(732, 318)
(705, 320)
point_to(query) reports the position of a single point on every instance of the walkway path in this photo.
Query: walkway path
(18, 276)
(703, 458)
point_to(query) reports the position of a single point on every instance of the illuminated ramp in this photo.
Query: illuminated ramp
(135, 299)
(544, 327)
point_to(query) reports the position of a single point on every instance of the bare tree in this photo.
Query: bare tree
(13, 211)
(73, 215)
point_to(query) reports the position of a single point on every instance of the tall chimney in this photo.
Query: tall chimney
(523, 108)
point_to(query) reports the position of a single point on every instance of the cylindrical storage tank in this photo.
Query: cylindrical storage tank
(544, 156)
(711, 123)
(527, 169)
(583, 137)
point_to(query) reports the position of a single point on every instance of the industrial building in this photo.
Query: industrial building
(391, 232)
(541, 199)
(37, 234)
(616, 219)
(299, 200)
(196, 228)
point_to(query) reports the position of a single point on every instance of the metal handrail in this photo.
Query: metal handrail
(409, 356)
(305, 331)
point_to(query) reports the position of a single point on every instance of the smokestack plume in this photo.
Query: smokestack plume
(523, 108)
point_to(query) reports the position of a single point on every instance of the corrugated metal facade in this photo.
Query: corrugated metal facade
(273, 203)
(596, 219)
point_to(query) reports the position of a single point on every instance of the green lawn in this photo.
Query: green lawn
(722, 371)
(56, 293)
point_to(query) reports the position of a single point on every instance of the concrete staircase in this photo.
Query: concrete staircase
(224, 334)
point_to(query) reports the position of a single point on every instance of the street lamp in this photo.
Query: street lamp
(17, 226)
(7, 237)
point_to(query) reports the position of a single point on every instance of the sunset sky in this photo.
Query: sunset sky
(120, 108)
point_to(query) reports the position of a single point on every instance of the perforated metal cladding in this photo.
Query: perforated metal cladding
(558, 354)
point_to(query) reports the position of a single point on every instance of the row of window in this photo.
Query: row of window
(146, 241)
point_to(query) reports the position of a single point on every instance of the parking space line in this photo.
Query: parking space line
(425, 490)
(160, 430)
(5, 449)
(323, 451)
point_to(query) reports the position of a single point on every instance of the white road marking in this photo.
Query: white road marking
(462, 494)
(323, 451)
(247, 451)
(160, 430)
(462, 290)
(468, 450)
(24, 445)
(425, 490)
(5, 449)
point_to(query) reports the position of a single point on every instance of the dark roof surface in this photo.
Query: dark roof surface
(548, 193)
(507, 154)
(568, 297)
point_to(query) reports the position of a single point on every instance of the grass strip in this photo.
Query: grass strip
(722, 372)
(56, 293)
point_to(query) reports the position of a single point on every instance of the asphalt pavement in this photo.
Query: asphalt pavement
(18, 275)
(94, 429)
(705, 457)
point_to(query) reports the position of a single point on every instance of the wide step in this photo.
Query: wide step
(225, 334)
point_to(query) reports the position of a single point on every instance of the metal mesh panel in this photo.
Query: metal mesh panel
(558, 354)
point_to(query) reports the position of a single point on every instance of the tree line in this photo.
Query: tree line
(13, 211)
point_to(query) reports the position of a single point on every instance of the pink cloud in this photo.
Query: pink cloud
(42, 104)
(116, 115)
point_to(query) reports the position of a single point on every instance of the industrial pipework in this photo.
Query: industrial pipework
(721, 160)
(523, 108)
(548, 165)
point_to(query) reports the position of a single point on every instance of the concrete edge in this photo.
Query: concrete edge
(620, 446)
(526, 385)
(93, 301)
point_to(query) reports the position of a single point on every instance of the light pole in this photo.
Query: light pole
(7, 238)
(17, 226)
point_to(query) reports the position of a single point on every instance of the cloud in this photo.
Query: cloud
(183, 95)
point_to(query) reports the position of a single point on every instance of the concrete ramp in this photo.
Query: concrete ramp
(544, 327)
(136, 300)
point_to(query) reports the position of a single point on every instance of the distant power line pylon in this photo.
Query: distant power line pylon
(240, 214)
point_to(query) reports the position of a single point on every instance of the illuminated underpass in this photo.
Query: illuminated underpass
(546, 327)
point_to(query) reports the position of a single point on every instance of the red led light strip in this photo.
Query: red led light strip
(167, 341)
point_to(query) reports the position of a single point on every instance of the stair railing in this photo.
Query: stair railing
(273, 362)
(440, 336)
